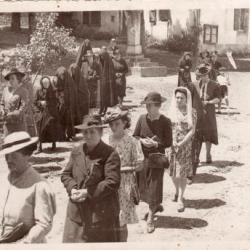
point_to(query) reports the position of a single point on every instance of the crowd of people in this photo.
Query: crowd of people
(104, 181)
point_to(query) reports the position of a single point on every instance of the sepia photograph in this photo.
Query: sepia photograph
(126, 124)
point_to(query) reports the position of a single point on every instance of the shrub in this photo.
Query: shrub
(48, 44)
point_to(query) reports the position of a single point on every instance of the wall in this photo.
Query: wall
(106, 23)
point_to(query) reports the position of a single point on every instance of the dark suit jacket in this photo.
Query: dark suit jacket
(102, 182)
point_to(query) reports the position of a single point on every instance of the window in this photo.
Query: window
(241, 18)
(112, 19)
(152, 17)
(210, 34)
(165, 15)
(92, 18)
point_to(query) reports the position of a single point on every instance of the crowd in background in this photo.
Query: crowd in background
(105, 182)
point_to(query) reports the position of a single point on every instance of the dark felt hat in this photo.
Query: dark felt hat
(202, 70)
(91, 121)
(114, 115)
(13, 71)
(153, 97)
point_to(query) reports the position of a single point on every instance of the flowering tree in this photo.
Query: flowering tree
(48, 44)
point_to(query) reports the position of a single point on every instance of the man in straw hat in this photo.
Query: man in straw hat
(92, 180)
(29, 202)
(155, 134)
(210, 96)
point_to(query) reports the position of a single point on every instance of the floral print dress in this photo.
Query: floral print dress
(181, 162)
(130, 152)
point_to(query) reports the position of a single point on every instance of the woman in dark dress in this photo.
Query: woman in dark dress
(185, 66)
(121, 69)
(216, 66)
(210, 96)
(69, 108)
(47, 115)
(82, 90)
(112, 47)
(91, 73)
(108, 92)
(92, 180)
(85, 46)
(155, 133)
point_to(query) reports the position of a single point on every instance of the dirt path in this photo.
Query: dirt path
(217, 203)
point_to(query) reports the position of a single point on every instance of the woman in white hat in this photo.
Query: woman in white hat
(29, 204)
(14, 103)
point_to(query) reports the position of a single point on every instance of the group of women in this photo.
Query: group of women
(104, 181)
(93, 83)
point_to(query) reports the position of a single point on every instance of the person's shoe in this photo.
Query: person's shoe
(145, 217)
(53, 148)
(38, 151)
(181, 207)
(150, 227)
(175, 199)
(209, 159)
(190, 180)
(159, 209)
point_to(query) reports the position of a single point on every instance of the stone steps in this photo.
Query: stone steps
(153, 71)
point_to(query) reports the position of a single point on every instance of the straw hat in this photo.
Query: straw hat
(91, 121)
(13, 71)
(153, 97)
(16, 141)
(114, 115)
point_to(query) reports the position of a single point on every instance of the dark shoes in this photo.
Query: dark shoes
(150, 227)
(175, 199)
(181, 206)
(209, 159)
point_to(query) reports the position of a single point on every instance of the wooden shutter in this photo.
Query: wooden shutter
(96, 18)
(164, 15)
(246, 19)
(85, 17)
(237, 14)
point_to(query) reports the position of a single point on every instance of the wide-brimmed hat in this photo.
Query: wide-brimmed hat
(114, 115)
(153, 97)
(13, 71)
(91, 121)
(202, 70)
(16, 141)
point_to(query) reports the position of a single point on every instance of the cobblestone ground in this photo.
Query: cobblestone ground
(217, 203)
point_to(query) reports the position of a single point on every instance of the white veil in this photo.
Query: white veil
(174, 113)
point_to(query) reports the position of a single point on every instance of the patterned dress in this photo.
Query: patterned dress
(181, 162)
(130, 152)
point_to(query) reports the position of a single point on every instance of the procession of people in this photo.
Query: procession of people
(105, 182)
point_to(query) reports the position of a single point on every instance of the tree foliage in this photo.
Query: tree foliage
(48, 44)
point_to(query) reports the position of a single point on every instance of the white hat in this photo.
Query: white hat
(16, 141)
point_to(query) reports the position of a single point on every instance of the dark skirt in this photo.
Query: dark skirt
(121, 86)
(223, 91)
(210, 133)
(93, 93)
(150, 181)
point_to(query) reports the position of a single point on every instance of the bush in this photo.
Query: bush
(48, 44)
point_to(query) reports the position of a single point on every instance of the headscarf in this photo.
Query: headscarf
(85, 46)
(175, 114)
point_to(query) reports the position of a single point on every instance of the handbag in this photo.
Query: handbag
(17, 233)
(158, 160)
(135, 192)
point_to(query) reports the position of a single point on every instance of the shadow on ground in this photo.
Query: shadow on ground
(45, 160)
(57, 150)
(179, 222)
(204, 203)
(225, 164)
(208, 178)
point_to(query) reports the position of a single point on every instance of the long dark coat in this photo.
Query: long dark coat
(85, 46)
(120, 66)
(69, 111)
(97, 218)
(108, 92)
(209, 123)
(47, 118)
(82, 90)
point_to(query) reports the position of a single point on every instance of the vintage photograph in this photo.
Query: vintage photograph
(127, 125)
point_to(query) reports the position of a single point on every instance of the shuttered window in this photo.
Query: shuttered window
(152, 17)
(210, 34)
(241, 19)
(92, 18)
(165, 15)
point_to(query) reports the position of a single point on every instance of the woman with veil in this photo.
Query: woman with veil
(183, 118)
